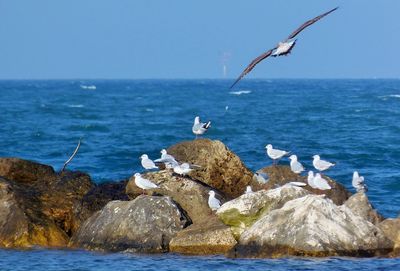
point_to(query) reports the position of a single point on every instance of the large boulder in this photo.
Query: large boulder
(145, 224)
(191, 195)
(360, 205)
(22, 222)
(391, 228)
(280, 175)
(312, 226)
(242, 212)
(210, 236)
(50, 203)
(220, 168)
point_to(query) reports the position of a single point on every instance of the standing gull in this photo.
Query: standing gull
(283, 48)
(183, 169)
(248, 190)
(213, 202)
(275, 154)
(261, 177)
(200, 128)
(321, 165)
(358, 182)
(295, 165)
(167, 159)
(143, 183)
(310, 179)
(321, 183)
(147, 163)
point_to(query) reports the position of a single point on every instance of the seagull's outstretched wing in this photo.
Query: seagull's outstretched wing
(309, 22)
(253, 64)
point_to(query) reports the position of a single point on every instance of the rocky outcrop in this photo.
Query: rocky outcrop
(145, 224)
(220, 167)
(45, 204)
(191, 195)
(391, 229)
(312, 226)
(360, 205)
(210, 236)
(280, 175)
(243, 211)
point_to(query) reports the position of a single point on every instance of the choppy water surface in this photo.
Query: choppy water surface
(352, 122)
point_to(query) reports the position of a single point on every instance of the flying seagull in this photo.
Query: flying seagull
(199, 127)
(283, 48)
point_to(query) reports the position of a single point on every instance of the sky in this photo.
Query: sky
(132, 39)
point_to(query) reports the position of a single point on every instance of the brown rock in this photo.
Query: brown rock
(204, 238)
(220, 167)
(191, 195)
(359, 205)
(391, 228)
(280, 175)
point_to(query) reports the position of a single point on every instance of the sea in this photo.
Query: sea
(354, 123)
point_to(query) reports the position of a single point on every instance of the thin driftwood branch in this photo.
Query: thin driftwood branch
(72, 156)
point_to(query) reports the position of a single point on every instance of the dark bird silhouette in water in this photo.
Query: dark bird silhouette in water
(283, 48)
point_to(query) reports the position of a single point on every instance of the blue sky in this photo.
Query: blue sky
(47, 39)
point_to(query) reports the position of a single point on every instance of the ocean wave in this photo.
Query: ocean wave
(385, 97)
(76, 105)
(90, 87)
(240, 92)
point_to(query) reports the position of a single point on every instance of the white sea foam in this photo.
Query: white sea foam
(89, 87)
(240, 92)
(385, 97)
(76, 105)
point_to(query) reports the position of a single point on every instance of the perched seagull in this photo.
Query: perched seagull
(295, 165)
(147, 163)
(261, 177)
(248, 190)
(310, 179)
(213, 202)
(321, 165)
(275, 154)
(358, 182)
(283, 48)
(167, 159)
(183, 169)
(321, 183)
(200, 128)
(143, 183)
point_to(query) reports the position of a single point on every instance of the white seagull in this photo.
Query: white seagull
(310, 179)
(283, 48)
(321, 183)
(261, 177)
(213, 202)
(295, 165)
(168, 160)
(248, 190)
(183, 169)
(147, 163)
(143, 183)
(358, 182)
(275, 154)
(200, 128)
(321, 165)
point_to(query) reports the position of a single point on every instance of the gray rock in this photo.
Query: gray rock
(391, 228)
(312, 226)
(145, 224)
(191, 195)
(359, 205)
(243, 211)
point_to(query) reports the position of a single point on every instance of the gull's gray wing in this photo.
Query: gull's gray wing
(308, 23)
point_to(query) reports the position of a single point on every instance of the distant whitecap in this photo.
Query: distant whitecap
(76, 105)
(240, 92)
(89, 87)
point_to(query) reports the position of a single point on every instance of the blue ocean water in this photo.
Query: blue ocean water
(352, 122)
